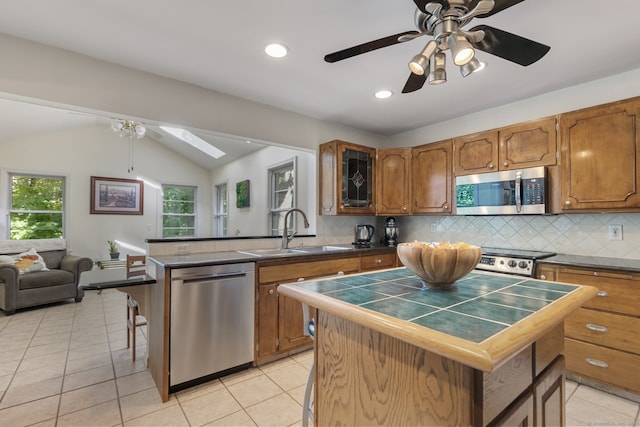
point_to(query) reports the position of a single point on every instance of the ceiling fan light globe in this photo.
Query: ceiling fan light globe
(464, 56)
(471, 67)
(437, 77)
(461, 49)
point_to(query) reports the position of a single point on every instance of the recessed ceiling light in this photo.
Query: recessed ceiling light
(382, 94)
(276, 50)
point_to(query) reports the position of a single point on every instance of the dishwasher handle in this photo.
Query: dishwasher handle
(212, 276)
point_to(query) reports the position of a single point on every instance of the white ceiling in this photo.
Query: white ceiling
(219, 45)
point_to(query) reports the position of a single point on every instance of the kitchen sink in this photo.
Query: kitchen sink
(298, 250)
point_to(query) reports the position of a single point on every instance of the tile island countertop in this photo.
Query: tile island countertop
(482, 322)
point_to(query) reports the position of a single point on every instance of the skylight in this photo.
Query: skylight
(194, 141)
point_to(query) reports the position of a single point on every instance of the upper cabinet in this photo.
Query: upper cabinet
(600, 154)
(347, 179)
(432, 178)
(522, 145)
(393, 181)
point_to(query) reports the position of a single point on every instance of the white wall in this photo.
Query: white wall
(253, 221)
(98, 151)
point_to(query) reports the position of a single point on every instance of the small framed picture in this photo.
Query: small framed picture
(116, 196)
(243, 194)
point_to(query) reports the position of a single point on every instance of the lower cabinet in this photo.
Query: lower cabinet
(602, 339)
(279, 320)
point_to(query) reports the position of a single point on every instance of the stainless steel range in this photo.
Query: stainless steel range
(511, 261)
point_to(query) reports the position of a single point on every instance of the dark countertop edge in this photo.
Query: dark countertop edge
(207, 239)
(170, 261)
(124, 283)
(614, 264)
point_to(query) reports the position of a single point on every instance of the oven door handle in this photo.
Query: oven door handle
(518, 191)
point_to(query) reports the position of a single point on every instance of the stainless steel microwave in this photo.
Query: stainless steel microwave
(520, 191)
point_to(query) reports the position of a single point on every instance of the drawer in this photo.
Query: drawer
(619, 292)
(606, 329)
(604, 365)
(288, 272)
(374, 262)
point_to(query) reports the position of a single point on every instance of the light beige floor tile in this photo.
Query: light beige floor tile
(56, 360)
(134, 383)
(298, 393)
(85, 397)
(199, 390)
(104, 414)
(280, 410)
(90, 350)
(50, 339)
(237, 419)
(607, 400)
(254, 390)
(36, 375)
(284, 363)
(13, 345)
(570, 388)
(9, 368)
(589, 413)
(18, 394)
(29, 413)
(4, 382)
(171, 417)
(88, 377)
(143, 403)
(48, 423)
(241, 376)
(290, 376)
(128, 367)
(90, 362)
(210, 407)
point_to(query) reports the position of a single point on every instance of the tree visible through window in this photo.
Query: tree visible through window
(282, 190)
(36, 209)
(178, 211)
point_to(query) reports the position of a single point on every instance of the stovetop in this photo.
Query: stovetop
(516, 253)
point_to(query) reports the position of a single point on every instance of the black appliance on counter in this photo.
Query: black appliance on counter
(391, 232)
(511, 261)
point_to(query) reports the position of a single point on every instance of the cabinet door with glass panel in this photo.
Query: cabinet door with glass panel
(346, 179)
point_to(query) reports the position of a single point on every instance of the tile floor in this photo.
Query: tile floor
(68, 365)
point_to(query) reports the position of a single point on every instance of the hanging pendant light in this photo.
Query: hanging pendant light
(129, 129)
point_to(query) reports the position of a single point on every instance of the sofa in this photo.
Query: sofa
(36, 272)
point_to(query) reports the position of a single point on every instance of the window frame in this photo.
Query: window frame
(271, 211)
(217, 215)
(6, 203)
(194, 215)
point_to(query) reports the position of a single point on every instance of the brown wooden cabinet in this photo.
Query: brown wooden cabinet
(346, 179)
(602, 339)
(600, 154)
(522, 145)
(393, 185)
(432, 178)
(378, 261)
(279, 320)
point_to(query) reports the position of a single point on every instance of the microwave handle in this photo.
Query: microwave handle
(518, 191)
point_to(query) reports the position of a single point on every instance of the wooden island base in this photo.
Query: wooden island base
(364, 377)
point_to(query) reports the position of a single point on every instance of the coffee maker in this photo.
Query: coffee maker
(391, 232)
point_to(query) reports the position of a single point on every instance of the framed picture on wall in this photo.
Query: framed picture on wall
(116, 196)
(243, 194)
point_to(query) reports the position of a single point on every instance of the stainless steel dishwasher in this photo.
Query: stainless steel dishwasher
(212, 322)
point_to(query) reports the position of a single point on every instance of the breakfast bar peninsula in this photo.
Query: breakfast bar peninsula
(486, 352)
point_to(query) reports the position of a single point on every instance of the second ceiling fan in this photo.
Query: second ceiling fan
(444, 20)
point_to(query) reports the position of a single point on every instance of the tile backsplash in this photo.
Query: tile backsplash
(571, 234)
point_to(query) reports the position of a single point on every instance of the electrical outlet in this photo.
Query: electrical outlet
(434, 228)
(615, 232)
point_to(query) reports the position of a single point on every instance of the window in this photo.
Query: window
(282, 190)
(36, 208)
(178, 211)
(220, 215)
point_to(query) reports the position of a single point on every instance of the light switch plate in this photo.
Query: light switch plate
(615, 232)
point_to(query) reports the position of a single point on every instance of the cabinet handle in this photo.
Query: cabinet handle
(603, 294)
(543, 277)
(490, 165)
(270, 291)
(340, 273)
(505, 164)
(445, 207)
(404, 208)
(567, 203)
(597, 328)
(596, 362)
(595, 273)
(378, 261)
(301, 279)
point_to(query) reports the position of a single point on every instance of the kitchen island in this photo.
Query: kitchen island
(487, 352)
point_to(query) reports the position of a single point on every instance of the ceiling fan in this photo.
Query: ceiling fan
(444, 19)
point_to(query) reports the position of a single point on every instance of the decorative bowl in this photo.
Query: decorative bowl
(439, 265)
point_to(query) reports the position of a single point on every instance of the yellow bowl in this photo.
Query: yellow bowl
(439, 267)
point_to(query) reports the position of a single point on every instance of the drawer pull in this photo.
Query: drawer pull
(596, 362)
(597, 328)
(378, 261)
(603, 294)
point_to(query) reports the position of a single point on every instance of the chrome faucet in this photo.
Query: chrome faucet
(285, 233)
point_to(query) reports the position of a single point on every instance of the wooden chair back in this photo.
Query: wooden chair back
(136, 265)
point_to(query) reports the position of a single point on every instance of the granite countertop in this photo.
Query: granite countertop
(617, 264)
(247, 255)
(482, 322)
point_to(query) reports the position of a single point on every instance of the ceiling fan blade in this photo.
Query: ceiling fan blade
(509, 46)
(367, 47)
(499, 6)
(422, 4)
(414, 82)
